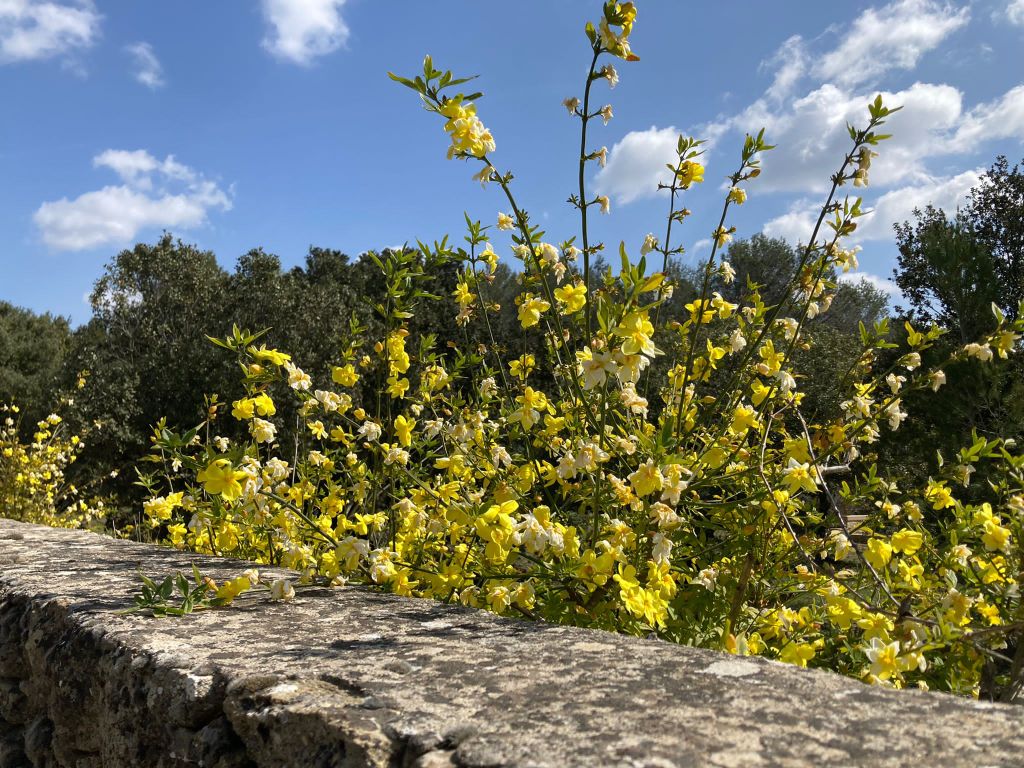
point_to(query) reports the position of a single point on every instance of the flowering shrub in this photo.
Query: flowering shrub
(567, 483)
(32, 484)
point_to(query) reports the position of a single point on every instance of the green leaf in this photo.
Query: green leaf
(166, 588)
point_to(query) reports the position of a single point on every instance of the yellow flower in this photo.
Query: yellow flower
(222, 479)
(646, 479)
(594, 570)
(468, 134)
(397, 387)
(530, 310)
(1004, 341)
(759, 391)
(771, 360)
(282, 589)
(939, 495)
(689, 173)
(910, 573)
(177, 533)
(403, 429)
(996, 537)
(907, 541)
(232, 589)
(499, 597)
(522, 366)
(574, 297)
(992, 570)
(344, 375)
(271, 356)
(243, 409)
(878, 553)
(462, 295)
(595, 367)
(627, 578)
(161, 508)
(264, 405)
(842, 611)
(721, 236)
(620, 15)
(989, 612)
(884, 658)
(800, 476)
(737, 195)
(398, 358)
(496, 527)
(490, 258)
(724, 308)
(531, 403)
(797, 653)
(744, 418)
(636, 329)
(699, 310)
(875, 625)
(982, 514)
(262, 431)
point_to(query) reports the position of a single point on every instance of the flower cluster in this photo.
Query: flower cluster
(570, 482)
(32, 475)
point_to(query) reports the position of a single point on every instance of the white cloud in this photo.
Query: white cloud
(637, 163)
(897, 205)
(894, 206)
(999, 119)
(32, 30)
(701, 245)
(807, 106)
(811, 139)
(135, 167)
(883, 284)
(790, 61)
(895, 36)
(794, 226)
(1014, 12)
(301, 30)
(154, 194)
(147, 66)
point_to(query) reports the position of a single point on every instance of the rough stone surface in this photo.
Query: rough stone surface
(352, 677)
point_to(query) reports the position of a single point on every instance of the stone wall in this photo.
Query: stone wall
(352, 677)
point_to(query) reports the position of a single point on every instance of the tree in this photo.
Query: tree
(768, 261)
(147, 352)
(32, 350)
(771, 263)
(952, 271)
(996, 216)
(947, 274)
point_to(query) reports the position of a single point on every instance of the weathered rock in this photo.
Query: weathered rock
(353, 677)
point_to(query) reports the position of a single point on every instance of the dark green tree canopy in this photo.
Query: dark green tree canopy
(32, 351)
(951, 270)
(996, 216)
(947, 275)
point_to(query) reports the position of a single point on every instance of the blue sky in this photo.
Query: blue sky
(273, 124)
